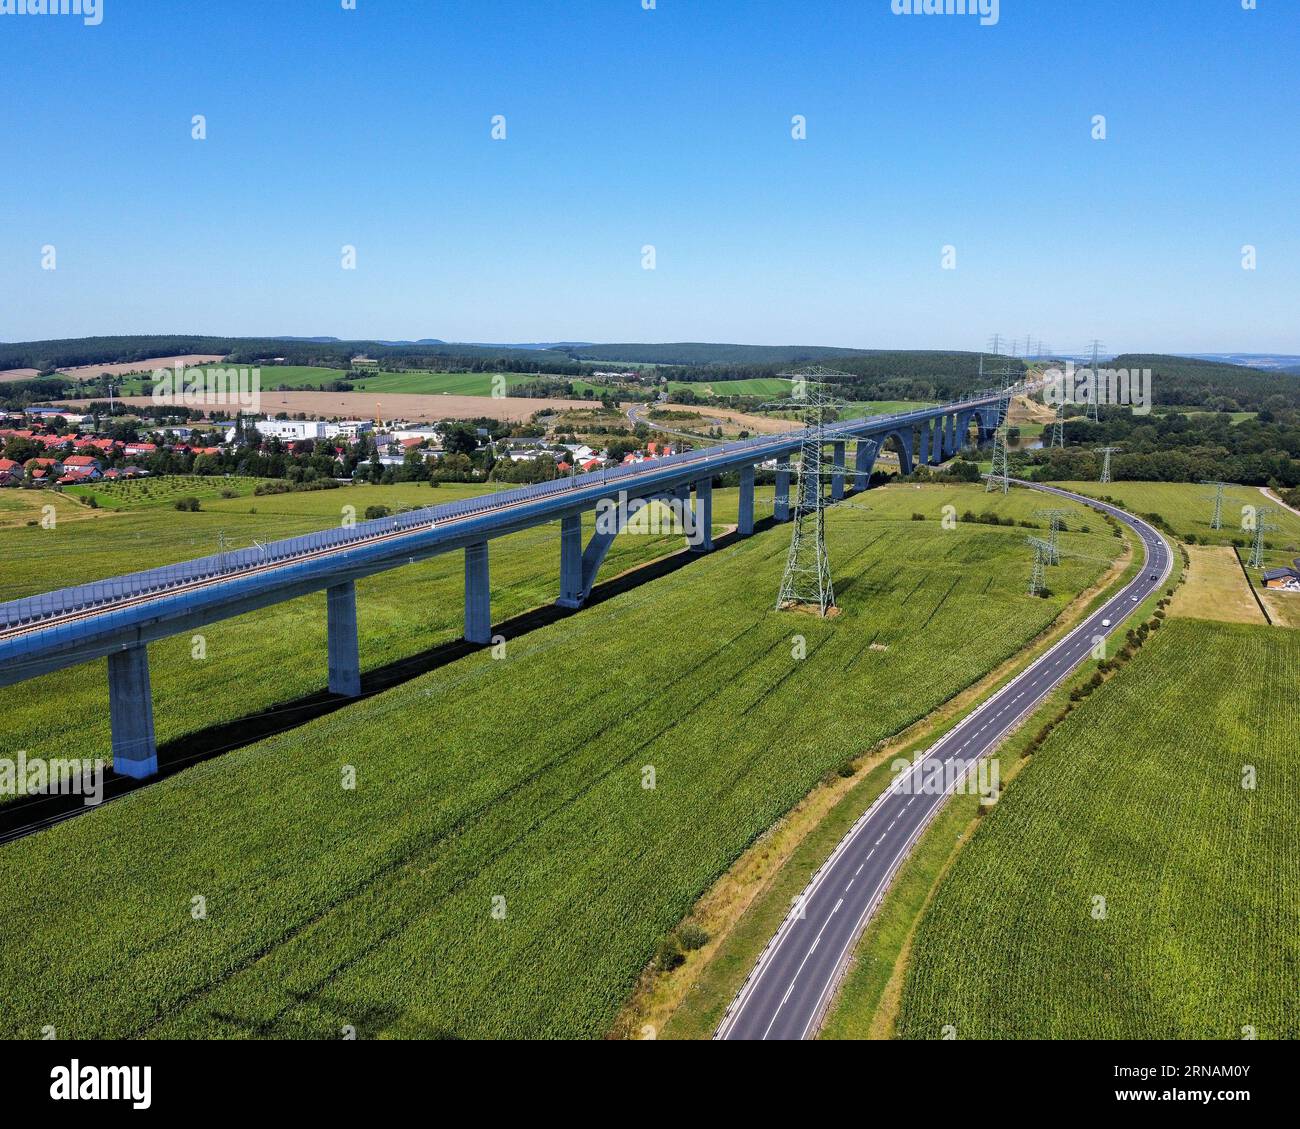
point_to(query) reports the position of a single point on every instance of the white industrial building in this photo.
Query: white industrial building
(292, 430)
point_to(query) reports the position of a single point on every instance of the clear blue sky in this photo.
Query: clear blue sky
(668, 127)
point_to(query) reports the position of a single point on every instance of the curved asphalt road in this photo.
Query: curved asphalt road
(790, 987)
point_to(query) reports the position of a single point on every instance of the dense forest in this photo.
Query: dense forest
(46, 356)
(1183, 382)
(1176, 447)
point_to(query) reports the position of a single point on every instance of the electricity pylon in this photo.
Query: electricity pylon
(806, 581)
(1042, 553)
(1262, 526)
(999, 477)
(1094, 399)
(1055, 519)
(1105, 465)
(1056, 437)
(1217, 521)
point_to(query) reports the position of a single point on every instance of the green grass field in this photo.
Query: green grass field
(440, 383)
(1138, 799)
(772, 388)
(433, 383)
(273, 376)
(1188, 508)
(518, 778)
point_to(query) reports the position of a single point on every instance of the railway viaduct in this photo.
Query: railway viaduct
(118, 618)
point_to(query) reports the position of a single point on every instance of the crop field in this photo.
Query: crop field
(143, 493)
(1188, 508)
(441, 383)
(402, 612)
(273, 376)
(295, 377)
(770, 387)
(1141, 799)
(525, 827)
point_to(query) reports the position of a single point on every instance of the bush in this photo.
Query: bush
(375, 512)
(189, 504)
(692, 937)
(669, 955)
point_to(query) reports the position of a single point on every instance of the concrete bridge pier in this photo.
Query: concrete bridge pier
(962, 425)
(923, 451)
(571, 561)
(862, 464)
(781, 506)
(130, 708)
(837, 479)
(344, 646)
(478, 595)
(701, 540)
(936, 441)
(745, 522)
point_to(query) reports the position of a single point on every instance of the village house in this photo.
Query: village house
(81, 468)
(1283, 579)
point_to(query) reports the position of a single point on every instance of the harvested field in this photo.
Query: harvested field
(90, 372)
(1216, 588)
(425, 409)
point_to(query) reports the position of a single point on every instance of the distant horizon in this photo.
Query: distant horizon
(554, 343)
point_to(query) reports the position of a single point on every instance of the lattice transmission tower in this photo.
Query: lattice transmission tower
(807, 581)
(1216, 522)
(1106, 452)
(1056, 519)
(1262, 526)
(1042, 553)
(999, 477)
(1094, 398)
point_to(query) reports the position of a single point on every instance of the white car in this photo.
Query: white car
(1105, 623)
